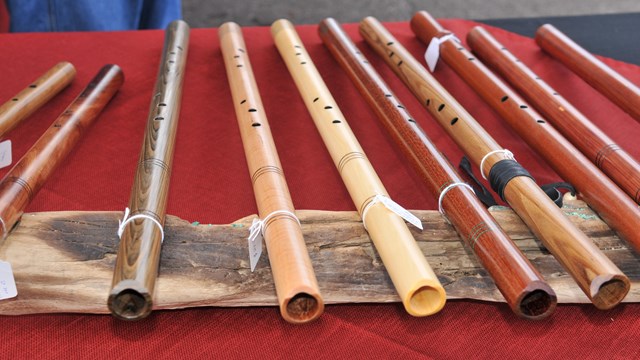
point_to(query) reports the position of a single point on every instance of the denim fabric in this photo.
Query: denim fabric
(84, 15)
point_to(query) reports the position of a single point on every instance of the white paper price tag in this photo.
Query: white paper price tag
(5, 153)
(8, 288)
(255, 243)
(400, 211)
(432, 54)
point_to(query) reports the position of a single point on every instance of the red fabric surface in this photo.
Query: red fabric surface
(210, 184)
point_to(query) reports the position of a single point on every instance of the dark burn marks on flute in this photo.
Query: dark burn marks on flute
(265, 170)
(349, 157)
(476, 232)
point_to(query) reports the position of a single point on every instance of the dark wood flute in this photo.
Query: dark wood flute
(38, 93)
(623, 169)
(603, 283)
(519, 282)
(296, 285)
(616, 87)
(141, 230)
(21, 184)
(608, 200)
(416, 283)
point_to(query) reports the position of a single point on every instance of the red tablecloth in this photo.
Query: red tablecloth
(210, 184)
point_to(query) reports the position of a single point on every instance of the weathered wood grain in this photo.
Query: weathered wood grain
(63, 261)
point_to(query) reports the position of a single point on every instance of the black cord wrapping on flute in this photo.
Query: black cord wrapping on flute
(482, 192)
(502, 172)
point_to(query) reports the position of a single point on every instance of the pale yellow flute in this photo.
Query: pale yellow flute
(416, 283)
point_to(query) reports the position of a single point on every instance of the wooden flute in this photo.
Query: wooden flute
(296, 285)
(608, 200)
(616, 87)
(417, 285)
(141, 230)
(38, 93)
(522, 286)
(603, 283)
(21, 184)
(621, 167)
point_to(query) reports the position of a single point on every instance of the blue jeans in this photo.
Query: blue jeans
(83, 15)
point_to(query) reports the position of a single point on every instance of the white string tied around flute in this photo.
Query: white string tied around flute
(433, 50)
(506, 152)
(445, 191)
(126, 219)
(256, 232)
(393, 207)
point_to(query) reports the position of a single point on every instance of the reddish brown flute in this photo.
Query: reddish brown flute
(623, 169)
(519, 282)
(596, 275)
(611, 203)
(38, 93)
(24, 180)
(600, 76)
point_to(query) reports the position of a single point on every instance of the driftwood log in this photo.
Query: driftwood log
(63, 261)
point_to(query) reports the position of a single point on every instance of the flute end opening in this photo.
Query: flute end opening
(426, 300)
(537, 304)
(302, 308)
(130, 304)
(609, 291)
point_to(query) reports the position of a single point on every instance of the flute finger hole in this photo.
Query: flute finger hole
(252, 110)
(336, 121)
(14, 99)
(33, 86)
(454, 120)
(540, 121)
(256, 124)
(328, 107)
(504, 98)
(524, 107)
(162, 104)
(441, 107)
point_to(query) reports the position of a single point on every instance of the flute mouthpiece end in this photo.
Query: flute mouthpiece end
(609, 291)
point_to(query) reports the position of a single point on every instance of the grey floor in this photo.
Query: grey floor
(212, 13)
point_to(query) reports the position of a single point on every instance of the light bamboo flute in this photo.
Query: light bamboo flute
(418, 287)
(611, 203)
(621, 167)
(21, 184)
(33, 97)
(141, 231)
(616, 87)
(597, 276)
(296, 285)
(519, 282)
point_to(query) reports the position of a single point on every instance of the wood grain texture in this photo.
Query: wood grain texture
(38, 93)
(136, 268)
(21, 184)
(207, 265)
(296, 284)
(621, 167)
(419, 288)
(595, 188)
(520, 283)
(616, 87)
(598, 277)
